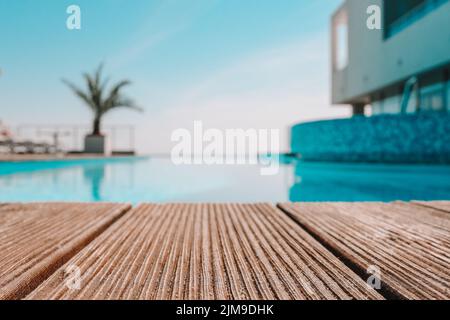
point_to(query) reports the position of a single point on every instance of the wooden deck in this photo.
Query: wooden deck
(224, 251)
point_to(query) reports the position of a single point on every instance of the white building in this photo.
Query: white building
(402, 67)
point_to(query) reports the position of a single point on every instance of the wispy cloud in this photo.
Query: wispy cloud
(165, 20)
(274, 87)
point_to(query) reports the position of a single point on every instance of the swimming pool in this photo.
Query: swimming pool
(158, 180)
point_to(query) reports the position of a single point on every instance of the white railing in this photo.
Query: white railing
(70, 138)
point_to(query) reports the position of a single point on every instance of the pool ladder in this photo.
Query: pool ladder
(410, 85)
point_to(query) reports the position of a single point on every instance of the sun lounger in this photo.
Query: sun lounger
(10, 146)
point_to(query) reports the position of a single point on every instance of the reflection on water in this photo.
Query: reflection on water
(158, 180)
(369, 182)
(138, 180)
(93, 176)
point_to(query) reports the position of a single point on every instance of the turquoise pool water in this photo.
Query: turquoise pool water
(158, 180)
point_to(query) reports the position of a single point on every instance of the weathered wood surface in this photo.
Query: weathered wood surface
(229, 251)
(426, 213)
(206, 251)
(410, 244)
(36, 239)
(440, 205)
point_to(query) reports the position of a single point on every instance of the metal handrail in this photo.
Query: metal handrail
(410, 85)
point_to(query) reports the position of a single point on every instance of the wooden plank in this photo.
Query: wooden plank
(206, 251)
(412, 254)
(440, 205)
(424, 213)
(36, 239)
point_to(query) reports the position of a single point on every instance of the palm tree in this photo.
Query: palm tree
(100, 101)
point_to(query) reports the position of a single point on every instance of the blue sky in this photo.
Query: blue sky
(230, 63)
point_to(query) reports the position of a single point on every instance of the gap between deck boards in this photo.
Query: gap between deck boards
(386, 292)
(278, 276)
(41, 274)
(54, 268)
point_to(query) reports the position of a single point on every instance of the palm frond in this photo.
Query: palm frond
(124, 102)
(114, 94)
(82, 95)
(104, 84)
(98, 73)
(94, 90)
(96, 98)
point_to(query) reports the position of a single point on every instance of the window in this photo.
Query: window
(391, 105)
(340, 40)
(377, 108)
(399, 14)
(432, 98)
(448, 96)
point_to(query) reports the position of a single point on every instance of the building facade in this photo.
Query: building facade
(403, 67)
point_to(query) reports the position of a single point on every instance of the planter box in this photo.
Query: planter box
(97, 145)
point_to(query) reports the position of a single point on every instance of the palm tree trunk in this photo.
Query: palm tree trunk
(96, 127)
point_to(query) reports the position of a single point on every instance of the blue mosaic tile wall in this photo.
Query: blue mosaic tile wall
(419, 138)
